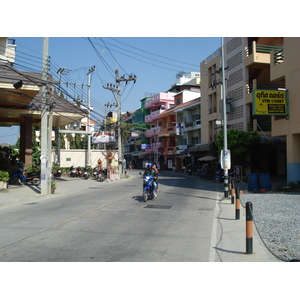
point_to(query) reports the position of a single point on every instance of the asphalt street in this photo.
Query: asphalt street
(109, 222)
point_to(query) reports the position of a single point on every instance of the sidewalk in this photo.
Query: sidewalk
(228, 238)
(230, 243)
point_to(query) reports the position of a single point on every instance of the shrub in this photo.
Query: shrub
(4, 176)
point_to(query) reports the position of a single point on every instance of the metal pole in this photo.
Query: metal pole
(223, 95)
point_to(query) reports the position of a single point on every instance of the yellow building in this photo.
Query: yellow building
(257, 67)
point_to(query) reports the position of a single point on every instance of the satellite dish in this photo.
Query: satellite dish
(180, 74)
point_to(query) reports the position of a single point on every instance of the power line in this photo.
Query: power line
(153, 53)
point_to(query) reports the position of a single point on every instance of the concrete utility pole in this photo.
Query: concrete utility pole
(88, 159)
(116, 88)
(45, 127)
(105, 127)
(88, 131)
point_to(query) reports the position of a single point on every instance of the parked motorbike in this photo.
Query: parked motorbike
(189, 170)
(72, 172)
(147, 187)
(102, 174)
(86, 173)
(78, 172)
(95, 173)
(30, 178)
(57, 173)
(219, 177)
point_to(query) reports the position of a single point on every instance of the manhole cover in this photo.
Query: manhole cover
(159, 206)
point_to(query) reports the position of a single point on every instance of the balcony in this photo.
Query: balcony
(258, 55)
(154, 115)
(194, 125)
(153, 131)
(160, 98)
(168, 132)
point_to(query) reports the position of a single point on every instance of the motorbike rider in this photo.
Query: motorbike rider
(21, 172)
(150, 171)
(154, 167)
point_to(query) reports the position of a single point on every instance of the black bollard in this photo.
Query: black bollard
(249, 228)
(232, 191)
(237, 204)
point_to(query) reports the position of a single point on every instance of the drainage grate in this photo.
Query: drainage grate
(159, 206)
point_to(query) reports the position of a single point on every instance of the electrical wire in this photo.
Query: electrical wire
(153, 53)
(143, 56)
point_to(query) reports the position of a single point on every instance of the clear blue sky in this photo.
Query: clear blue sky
(154, 60)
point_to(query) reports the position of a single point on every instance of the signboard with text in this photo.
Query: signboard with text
(103, 137)
(270, 102)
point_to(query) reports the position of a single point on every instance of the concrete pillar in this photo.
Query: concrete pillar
(26, 142)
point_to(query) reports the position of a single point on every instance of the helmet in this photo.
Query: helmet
(149, 165)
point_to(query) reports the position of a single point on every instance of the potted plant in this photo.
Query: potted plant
(53, 186)
(4, 177)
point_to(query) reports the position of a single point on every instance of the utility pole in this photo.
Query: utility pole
(88, 159)
(44, 134)
(116, 88)
(225, 153)
(105, 116)
(88, 131)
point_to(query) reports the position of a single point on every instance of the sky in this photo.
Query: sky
(153, 41)
(154, 60)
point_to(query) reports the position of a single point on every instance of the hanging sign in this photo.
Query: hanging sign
(103, 137)
(270, 102)
(225, 159)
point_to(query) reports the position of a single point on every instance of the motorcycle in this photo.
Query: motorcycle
(30, 178)
(147, 187)
(219, 177)
(57, 173)
(78, 172)
(86, 174)
(95, 173)
(102, 174)
(72, 172)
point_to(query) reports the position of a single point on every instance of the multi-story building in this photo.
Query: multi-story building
(188, 132)
(256, 64)
(285, 69)
(134, 148)
(157, 104)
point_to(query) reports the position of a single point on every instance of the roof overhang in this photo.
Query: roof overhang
(10, 96)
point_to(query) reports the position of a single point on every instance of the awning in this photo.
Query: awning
(199, 147)
(184, 155)
(207, 158)
(166, 135)
(267, 139)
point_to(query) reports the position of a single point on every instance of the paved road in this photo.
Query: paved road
(109, 222)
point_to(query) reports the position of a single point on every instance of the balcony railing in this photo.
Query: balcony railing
(262, 49)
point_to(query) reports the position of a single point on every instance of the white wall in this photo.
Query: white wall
(77, 158)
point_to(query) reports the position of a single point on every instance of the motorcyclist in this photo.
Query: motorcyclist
(150, 171)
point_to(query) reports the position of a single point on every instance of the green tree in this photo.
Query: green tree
(240, 143)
